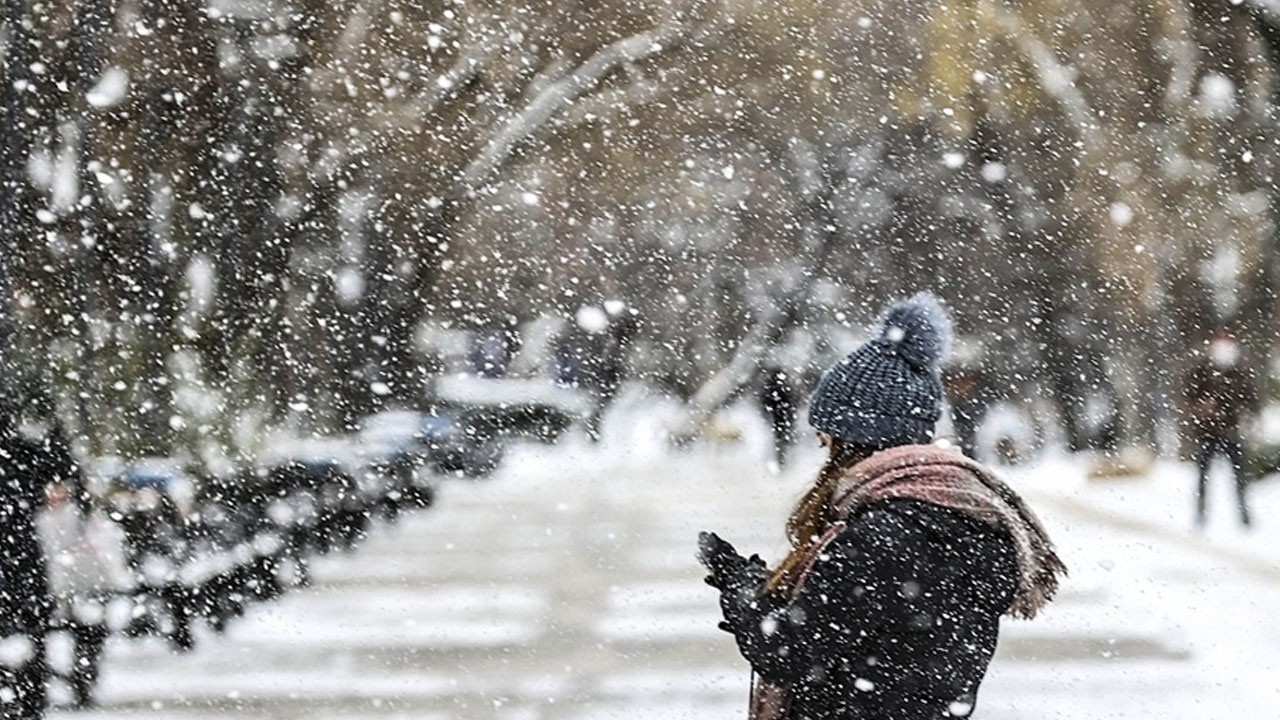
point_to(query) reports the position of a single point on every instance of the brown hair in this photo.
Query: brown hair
(815, 512)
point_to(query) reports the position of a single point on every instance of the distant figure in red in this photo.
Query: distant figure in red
(1219, 394)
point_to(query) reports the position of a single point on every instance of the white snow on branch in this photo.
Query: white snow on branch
(463, 70)
(1056, 78)
(1269, 9)
(110, 89)
(798, 278)
(561, 94)
(602, 106)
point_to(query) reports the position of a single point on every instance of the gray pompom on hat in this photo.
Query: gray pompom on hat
(887, 392)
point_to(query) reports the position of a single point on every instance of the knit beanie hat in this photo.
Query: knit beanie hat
(887, 392)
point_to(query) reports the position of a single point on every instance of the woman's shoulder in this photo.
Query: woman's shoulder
(902, 521)
(922, 540)
(900, 513)
(888, 526)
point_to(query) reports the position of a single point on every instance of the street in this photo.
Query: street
(566, 587)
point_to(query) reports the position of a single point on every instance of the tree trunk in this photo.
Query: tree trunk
(15, 145)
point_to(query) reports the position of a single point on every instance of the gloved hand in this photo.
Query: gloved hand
(738, 579)
(729, 569)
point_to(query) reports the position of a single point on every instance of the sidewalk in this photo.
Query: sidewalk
(1155, 619)
(1162, 502)
(565, 587)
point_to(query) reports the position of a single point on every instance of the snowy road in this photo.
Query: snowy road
(565, 587)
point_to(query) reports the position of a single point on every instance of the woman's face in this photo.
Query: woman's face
(56, 494)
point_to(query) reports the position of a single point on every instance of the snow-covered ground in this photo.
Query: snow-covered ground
(1156, 620)
(565, 587)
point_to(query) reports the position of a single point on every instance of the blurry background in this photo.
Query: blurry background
(226, 215)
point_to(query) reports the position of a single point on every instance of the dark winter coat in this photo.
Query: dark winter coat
(24, 600)
(897, 620)
(779, 401)
(1218, 398)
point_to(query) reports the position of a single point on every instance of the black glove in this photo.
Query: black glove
(738, 579)
(729, 570)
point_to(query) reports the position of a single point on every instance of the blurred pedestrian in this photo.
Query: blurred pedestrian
(779, 400)
(1219, 394)
(592, 355)
(25, 602)
(63, 466)
(86, 568)
(579, 348)
(966, 387)
(614, 355)
(493, 348)
(156, 544)
(904, 554)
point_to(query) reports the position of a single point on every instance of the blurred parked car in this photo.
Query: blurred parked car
(457, 444)
(150, 500)
(531, 408)
(446, 441)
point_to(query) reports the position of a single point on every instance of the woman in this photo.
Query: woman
(904, 555)
(86, 569)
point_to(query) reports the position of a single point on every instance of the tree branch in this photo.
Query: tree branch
(1057, 79)
(446, 85)
(561, 94)
(603, 105)
(814, 187)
